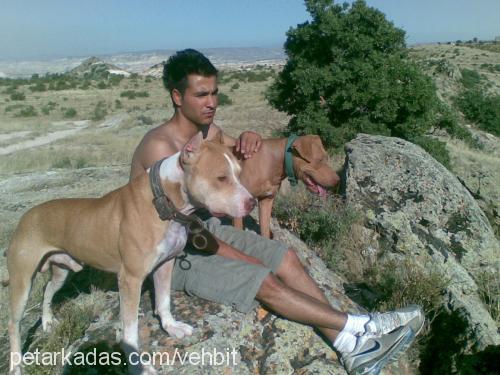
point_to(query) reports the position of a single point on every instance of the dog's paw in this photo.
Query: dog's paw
(48, 323)
(148, 370)
(178, 329)
(16, 371)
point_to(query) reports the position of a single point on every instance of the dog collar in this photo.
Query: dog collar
(288, 159)
(200, 237)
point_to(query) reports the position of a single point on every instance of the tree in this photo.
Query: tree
(347, 72)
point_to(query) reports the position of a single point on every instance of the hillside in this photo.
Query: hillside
(75, 133)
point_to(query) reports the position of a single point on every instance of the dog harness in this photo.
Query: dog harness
(199, 236)
(288, 159)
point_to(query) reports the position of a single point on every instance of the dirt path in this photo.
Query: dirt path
(40, 141)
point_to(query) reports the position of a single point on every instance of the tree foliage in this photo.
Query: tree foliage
(347, 72)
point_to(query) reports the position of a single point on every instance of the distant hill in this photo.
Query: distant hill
(155, 71)
(141, 62)
(96, 68)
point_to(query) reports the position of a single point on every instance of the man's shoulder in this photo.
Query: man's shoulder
(158, 137)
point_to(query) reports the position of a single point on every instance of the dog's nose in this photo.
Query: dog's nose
(250, 204)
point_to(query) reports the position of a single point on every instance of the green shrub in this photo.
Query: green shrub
(28, 111)
(224, 99)
(38, 87)
(99, 112)
(481, 109)
(435, 147)
(49, 107)
(17, 96)
(404, 282)
(115, 79)
(348, 71)
(235, 86)
(10, 90)
(64, 162)
(81, 162)
(449, 121)
(13, 107)
(69, 113)
(132, 94)
(118, 104)
(470, 78)
(325, 225)
(85, 85)
(145, 120)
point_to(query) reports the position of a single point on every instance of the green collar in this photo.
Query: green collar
(288, 160)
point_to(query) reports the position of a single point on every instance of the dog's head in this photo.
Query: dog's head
(310, 162)
(212, 178)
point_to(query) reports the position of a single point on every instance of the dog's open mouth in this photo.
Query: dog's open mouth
(314, 187)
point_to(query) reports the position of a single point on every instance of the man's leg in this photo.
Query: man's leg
(292, 273)
(301, 307)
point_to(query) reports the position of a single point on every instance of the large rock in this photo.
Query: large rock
(422, 211)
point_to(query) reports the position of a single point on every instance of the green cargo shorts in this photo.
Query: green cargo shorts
(228, 281)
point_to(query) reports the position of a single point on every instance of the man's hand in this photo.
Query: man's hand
(248, 143)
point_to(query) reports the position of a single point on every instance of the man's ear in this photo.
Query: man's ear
(177, 97)
(191, 147)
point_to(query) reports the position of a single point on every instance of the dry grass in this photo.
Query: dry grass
(74, 317)
(488, 283)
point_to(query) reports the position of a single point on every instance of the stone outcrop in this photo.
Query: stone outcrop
(422, 211)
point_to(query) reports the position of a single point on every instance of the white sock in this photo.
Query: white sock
(356, 324)
(345, 342)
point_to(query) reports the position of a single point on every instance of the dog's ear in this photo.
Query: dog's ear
(191, 147)
(309, 148)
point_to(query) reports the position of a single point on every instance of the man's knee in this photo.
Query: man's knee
(290, 263)
(270, 288)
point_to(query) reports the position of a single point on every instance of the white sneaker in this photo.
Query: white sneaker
(383, 323)
(371, 353)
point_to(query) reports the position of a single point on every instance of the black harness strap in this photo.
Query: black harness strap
(199, 236)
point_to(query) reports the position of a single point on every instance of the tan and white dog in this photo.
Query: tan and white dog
(122, 233)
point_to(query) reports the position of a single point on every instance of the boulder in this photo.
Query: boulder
(422, 211)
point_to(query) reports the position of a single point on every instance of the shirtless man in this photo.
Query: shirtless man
(248, 268)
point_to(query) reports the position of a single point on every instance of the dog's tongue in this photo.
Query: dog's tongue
(322, 191)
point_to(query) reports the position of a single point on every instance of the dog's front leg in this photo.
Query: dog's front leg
(162, 281)
(265, 209)
(130, 295)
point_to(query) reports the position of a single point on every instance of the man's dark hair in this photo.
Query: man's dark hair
(185, 62)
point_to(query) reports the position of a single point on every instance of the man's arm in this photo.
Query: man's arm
(230, 252)
(247, 143)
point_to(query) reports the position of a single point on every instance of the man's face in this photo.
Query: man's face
(199, 102)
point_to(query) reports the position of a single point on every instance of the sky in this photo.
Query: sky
(38, 29)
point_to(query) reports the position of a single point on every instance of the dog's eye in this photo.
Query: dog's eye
(222, 178)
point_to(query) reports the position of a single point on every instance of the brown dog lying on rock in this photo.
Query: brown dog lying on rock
(299, 158)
